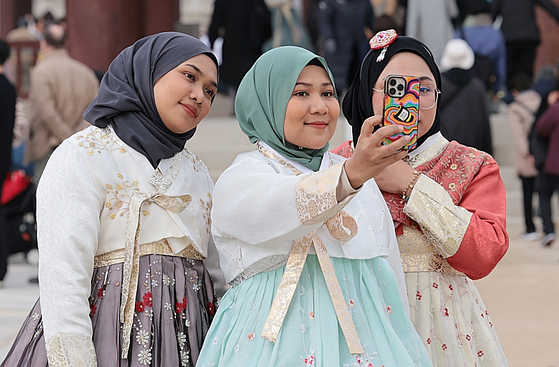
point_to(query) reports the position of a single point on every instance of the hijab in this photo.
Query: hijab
(357, 104)
(263, 96)
(126, 100)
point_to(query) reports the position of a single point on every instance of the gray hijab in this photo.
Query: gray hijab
(126, 101)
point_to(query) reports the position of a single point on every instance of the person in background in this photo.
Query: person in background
(431, 22)
(123, 218)
(522, 35)
(522, 113)
(304, 237)
(547, 127)
(345, 28)
(485, 40)
(61, 88)
(244, 25)
(8, 98)
(463, 102)
(448, 203)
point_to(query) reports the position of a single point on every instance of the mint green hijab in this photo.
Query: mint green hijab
(262, 99)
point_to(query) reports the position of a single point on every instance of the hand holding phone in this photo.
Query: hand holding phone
(401, 107)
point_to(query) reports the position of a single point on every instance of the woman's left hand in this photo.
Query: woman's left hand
(395, 178)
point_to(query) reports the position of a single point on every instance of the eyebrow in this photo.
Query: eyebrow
(197, 69)
(425, 78)
(310, 84)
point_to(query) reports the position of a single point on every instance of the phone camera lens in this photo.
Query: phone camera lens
(400, 87)
(392, 82)
(392, 91)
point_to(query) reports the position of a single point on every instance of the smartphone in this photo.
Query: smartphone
(401, 107)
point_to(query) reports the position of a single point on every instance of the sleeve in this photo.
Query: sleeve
(259, 206)
(548, 121)
(212, 264)
(67, 199)
(501, 64)
(43, 97)
(217, 22)
(472, 235)
(324, 19)
(520, 136)
(550, 7)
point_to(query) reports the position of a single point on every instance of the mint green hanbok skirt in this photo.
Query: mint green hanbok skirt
(311, 334)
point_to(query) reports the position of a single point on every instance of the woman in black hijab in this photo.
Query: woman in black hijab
(448, 205)
(123, 213)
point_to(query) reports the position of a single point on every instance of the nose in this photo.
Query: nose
(318, 106)
(197, 94)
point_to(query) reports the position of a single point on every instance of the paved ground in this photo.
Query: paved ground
(522, 293)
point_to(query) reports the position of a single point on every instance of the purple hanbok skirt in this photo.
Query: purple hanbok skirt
(175, 304)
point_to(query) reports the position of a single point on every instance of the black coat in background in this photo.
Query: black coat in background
(244, 25)
(464, 110)
(7, 119)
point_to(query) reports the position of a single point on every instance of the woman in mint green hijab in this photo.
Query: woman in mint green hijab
(305, 239)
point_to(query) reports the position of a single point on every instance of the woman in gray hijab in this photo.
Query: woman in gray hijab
(123, 214)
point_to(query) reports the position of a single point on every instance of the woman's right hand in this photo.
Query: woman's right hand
(370, 157)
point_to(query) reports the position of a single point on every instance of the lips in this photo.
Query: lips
(318, 124)
(190, 110)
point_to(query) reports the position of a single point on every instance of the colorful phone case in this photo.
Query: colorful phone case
(402, 108)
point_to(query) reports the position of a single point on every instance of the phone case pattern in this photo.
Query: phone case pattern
(403, 111)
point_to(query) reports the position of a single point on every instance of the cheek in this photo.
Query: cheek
(377, 102)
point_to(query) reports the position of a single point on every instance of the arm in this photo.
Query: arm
(67, 199)
(548, 121)
(43, 98)
(472, 235)
(217, 22)
(275, 206)
(550, 7)
(520, 136)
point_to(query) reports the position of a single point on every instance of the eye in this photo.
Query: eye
(328, 93)
(209, 92)
(301, 94)
(189, 76)
(426, 89)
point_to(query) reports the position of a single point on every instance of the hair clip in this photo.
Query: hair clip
(383, 39)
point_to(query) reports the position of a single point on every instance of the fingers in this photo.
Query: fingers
(369, 125)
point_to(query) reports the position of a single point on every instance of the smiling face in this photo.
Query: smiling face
(407, 63)
(312, 111)
(183, 95)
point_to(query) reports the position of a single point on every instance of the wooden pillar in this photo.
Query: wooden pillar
(99, 29)
(7, 17)
(160, 15)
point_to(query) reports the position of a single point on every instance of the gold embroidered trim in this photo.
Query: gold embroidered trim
(315, 194)
(443, 223)
(266, 153)
(71, 351)
(153, 248)
(418, 254)
(336, 226)
(288, 284)
(433, 151)
(132, 255)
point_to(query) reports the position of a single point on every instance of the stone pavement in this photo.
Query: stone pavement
(521, 294)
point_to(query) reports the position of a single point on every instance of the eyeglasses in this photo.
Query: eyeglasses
(428, 96)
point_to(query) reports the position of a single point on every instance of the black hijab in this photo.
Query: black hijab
(357, 104)
(126, 101)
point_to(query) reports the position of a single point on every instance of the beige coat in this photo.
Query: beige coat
(521, 117)
(61, 89)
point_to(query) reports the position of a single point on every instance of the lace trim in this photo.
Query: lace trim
(433, 151)
(153, 248)
(71, 351)
(162, 182)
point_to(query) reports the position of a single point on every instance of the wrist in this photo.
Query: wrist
(408, 190)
